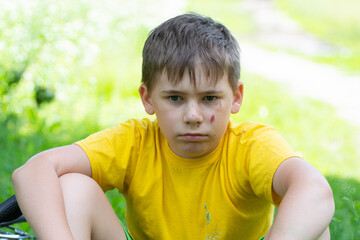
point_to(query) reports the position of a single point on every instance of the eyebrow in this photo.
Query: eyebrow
(210, 92)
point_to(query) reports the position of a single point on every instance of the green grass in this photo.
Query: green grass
(105, 93)
(334, 21)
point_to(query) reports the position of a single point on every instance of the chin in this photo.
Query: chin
(195, 154)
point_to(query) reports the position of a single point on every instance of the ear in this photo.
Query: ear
(238, 97)
(146, 99)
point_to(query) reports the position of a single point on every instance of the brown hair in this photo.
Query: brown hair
(184, 42)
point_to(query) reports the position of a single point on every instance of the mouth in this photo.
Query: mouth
(193, 137)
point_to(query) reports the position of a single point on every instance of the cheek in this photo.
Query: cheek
(212, 118)
(219, 113)
(167, 117)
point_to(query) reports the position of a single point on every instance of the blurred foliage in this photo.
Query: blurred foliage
(58, 50)
(229, 12)
(346, 221)
(334, 21)
(68, 70)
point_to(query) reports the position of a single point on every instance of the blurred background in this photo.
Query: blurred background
(68, 69)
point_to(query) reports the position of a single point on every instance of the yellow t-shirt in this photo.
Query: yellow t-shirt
(226, 194)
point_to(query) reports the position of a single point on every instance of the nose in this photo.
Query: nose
(193, 114)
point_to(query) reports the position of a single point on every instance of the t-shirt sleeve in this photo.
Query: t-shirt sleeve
(110, 153)
(267, 150)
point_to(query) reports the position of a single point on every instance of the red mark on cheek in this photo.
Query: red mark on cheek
(212, 119)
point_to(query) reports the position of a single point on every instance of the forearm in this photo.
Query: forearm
(39, 195)
(304, 213)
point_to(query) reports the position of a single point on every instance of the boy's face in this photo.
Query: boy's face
(192, 119)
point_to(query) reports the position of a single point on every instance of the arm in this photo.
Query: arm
(307, 206)
(38, 191)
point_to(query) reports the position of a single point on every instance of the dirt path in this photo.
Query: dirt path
(318, 81)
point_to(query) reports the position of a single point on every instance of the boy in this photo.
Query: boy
(192, 173)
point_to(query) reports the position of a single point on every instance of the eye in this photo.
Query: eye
(210, 98)
(174, 98)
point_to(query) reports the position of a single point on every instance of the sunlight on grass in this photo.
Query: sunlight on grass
(228, 12)
(334, 21)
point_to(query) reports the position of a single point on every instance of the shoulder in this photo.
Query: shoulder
(133, 126)
(249, 131)
(131, 131)
(258, 145)
(259, 150)
(144, 124)
(141, 127)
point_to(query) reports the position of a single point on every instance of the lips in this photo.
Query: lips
(193, 137)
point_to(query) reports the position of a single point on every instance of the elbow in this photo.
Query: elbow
(26, 173)
(325, 199)
(17, 176)
(317, 197)
(330, 198)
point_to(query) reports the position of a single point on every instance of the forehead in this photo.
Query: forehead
(199, 82)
